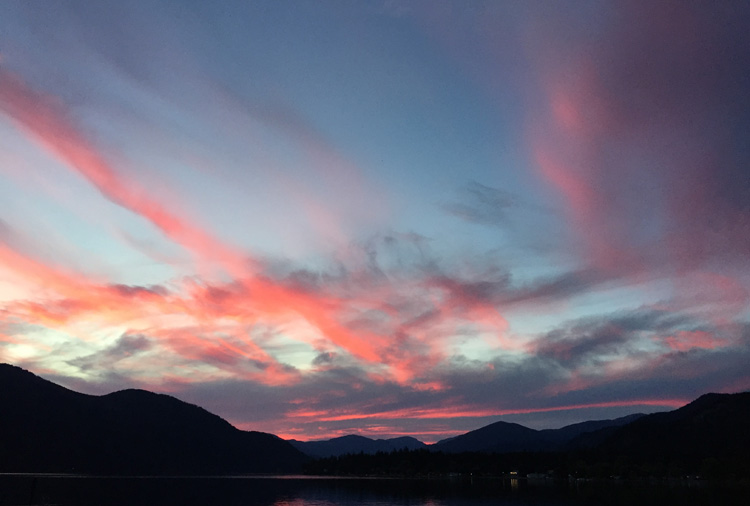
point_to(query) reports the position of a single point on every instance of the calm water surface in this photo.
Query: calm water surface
(306, 491)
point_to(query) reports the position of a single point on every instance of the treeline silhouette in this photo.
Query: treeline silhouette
(552, 465)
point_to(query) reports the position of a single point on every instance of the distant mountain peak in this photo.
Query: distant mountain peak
(505, 437)
(355, 443)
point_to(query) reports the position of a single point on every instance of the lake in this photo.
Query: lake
(311, 491)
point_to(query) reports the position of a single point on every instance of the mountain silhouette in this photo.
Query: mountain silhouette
(353, 444)
(714, 425)
(505, 437)
(45, 427)
(707, 438)
(499, 437)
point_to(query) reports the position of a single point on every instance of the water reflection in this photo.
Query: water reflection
(306, 491)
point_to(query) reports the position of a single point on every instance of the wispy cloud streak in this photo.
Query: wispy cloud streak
(46, 121)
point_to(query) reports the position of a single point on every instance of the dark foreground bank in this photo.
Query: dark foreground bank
(308, 491)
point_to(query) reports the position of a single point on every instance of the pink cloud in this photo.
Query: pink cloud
(691, 339)
(628, 136)
(215, 324)
(447, 410)
(46, 121)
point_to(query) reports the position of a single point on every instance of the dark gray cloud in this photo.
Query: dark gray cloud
(324, 358)
(579, 344)
(136, 290)
(620, 334)
(678, 375)
(106, 359)
(561, 286)
(482, 205)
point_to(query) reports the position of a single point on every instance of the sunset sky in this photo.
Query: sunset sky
(383, 218)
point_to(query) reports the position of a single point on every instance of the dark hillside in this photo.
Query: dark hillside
(499, 437)
(47, 428)
(714, 425)
(503, 437)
